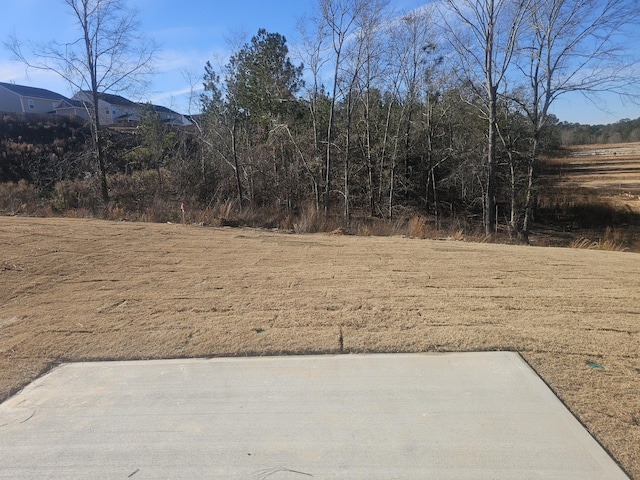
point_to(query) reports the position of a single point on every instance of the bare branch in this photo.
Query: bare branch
(108, 55)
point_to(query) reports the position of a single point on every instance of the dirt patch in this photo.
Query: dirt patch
(73, 290)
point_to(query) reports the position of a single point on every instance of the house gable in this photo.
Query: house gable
(170, 117)
(112, 109)
(73, 108)
(23, 99)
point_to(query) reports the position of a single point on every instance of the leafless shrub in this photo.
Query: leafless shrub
(19, 198)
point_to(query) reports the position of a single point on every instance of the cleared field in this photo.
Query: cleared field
(74, 290)
(611, 171)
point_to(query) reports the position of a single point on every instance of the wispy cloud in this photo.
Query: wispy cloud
(172, 60)
(12, 71)
(17, 72)
(159, 98)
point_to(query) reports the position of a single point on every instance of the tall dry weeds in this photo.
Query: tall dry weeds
(416, 227)
(608, 245)
(310, 220)
(20, 198)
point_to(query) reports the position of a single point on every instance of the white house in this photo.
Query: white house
(23, 99)
(70, 107)
(116, 110)
(170, 117)
(112, 109)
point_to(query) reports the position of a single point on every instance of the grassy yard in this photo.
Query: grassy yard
(80, 289)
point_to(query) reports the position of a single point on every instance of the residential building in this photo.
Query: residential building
(22, 99)
(172, 118)
(112, 109)
(117, 110)
(70, 107)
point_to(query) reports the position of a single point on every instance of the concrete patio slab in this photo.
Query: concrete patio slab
(384, 416)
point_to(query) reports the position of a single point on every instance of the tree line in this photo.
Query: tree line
(443, 110)
(623, 131)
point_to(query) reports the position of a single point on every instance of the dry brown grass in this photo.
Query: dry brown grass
(77, 289)
(610, 173)
(607, 244)
(590, 198)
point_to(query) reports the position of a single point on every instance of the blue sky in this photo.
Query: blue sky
(190, 32)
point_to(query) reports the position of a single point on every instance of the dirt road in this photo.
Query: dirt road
(87, 290)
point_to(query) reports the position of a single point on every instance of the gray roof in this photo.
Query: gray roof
(110, 98)
(115, 99)
(161, 109)
(70, 102)
(25, 91)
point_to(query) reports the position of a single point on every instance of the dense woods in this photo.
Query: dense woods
(438, 113)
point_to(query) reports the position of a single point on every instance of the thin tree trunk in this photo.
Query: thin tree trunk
(490, 212)
(394, 161)
(435, 198)
(316, 150)
(327, 184)
(383, 153)
(236, 165)
(367, 114)
(99, 149)
(512, 220)
(347, 147)
(531, 172)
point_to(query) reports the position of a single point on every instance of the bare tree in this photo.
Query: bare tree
(572, 46)
(409, 43)
(110, 55)
(357, 76)
(484, 34)
(311, 51)
(373, 57)
(338, 21)
(414, 58)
